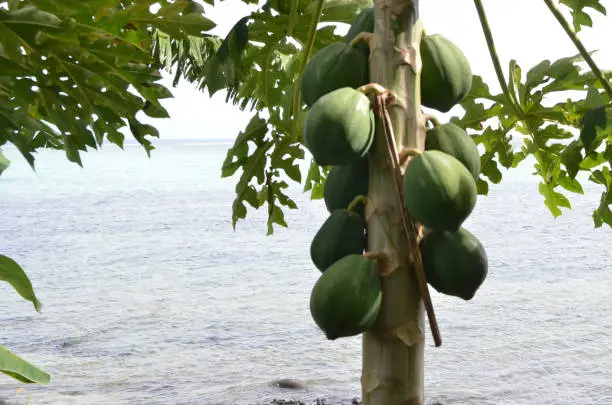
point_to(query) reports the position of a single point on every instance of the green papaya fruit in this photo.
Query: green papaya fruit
(452, 139)
(446, 75)
(346, 299)
(455, 263)
(439, 191)
(344, 183)
(339, 127)
(364, 22)
(334, 66)
(342, 234)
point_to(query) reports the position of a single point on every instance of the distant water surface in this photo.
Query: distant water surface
(150, 297)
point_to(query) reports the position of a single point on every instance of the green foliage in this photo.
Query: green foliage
(564, 138)
(580, 16)
(13, 274)
(4, 162)
(21, 370)
(258, 64)
(73, 73)
(261, 74)
(11, 364)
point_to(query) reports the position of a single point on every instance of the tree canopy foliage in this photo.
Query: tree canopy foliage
(259, 63)
(74, 74)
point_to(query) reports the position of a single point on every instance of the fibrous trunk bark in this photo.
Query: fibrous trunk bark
(393, 350)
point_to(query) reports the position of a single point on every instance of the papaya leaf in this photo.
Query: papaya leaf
(571, 157)
(553, 200)
(564, 139)
(482, 187)
(4, 162)
(580, 16)
(569, 183)
(603, 214)
(13, 274)
(593, 118)
(64, 72)
(315, 180)
(21, 370)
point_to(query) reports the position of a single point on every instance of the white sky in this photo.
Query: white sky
(523, 30)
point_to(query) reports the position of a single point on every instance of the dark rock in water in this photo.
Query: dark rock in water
(283, 402)
(318, 401)
(289, 383)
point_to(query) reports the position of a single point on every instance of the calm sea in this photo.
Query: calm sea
(150, 297)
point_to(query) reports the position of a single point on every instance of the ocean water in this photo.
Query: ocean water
(150, 297)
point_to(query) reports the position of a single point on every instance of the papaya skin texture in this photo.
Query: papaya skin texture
(455, 263)
(342, 234)
(339, 127)
(452, 139)
(334, 66)
(439, 191)
(345, 300)
(446, 75)
(344, 183)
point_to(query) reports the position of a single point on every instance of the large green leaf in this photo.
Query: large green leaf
(578, 9)
(13, 274)
(564, 139)
(258, 65)
(4, 162)
(75, 73)
(19, 369)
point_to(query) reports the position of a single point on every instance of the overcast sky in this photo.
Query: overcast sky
(523, 30)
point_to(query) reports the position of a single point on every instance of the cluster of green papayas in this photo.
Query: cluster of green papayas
(440, 193)
(439, 184)
(339, 131)
(446, 75)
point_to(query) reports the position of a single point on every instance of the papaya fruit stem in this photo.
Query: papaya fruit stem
(431, 118)
(405, 154)
(367, 37)
(360, 199)
(372, 89)
(373, 255)
(386, 264)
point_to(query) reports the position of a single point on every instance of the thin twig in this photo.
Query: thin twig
(495, 59)
(585, 54)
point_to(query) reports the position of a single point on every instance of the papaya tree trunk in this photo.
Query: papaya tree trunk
(393, 350)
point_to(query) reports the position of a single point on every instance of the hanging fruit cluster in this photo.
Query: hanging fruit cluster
(439, 184)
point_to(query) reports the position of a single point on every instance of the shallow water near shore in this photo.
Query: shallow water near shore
(150, 297)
